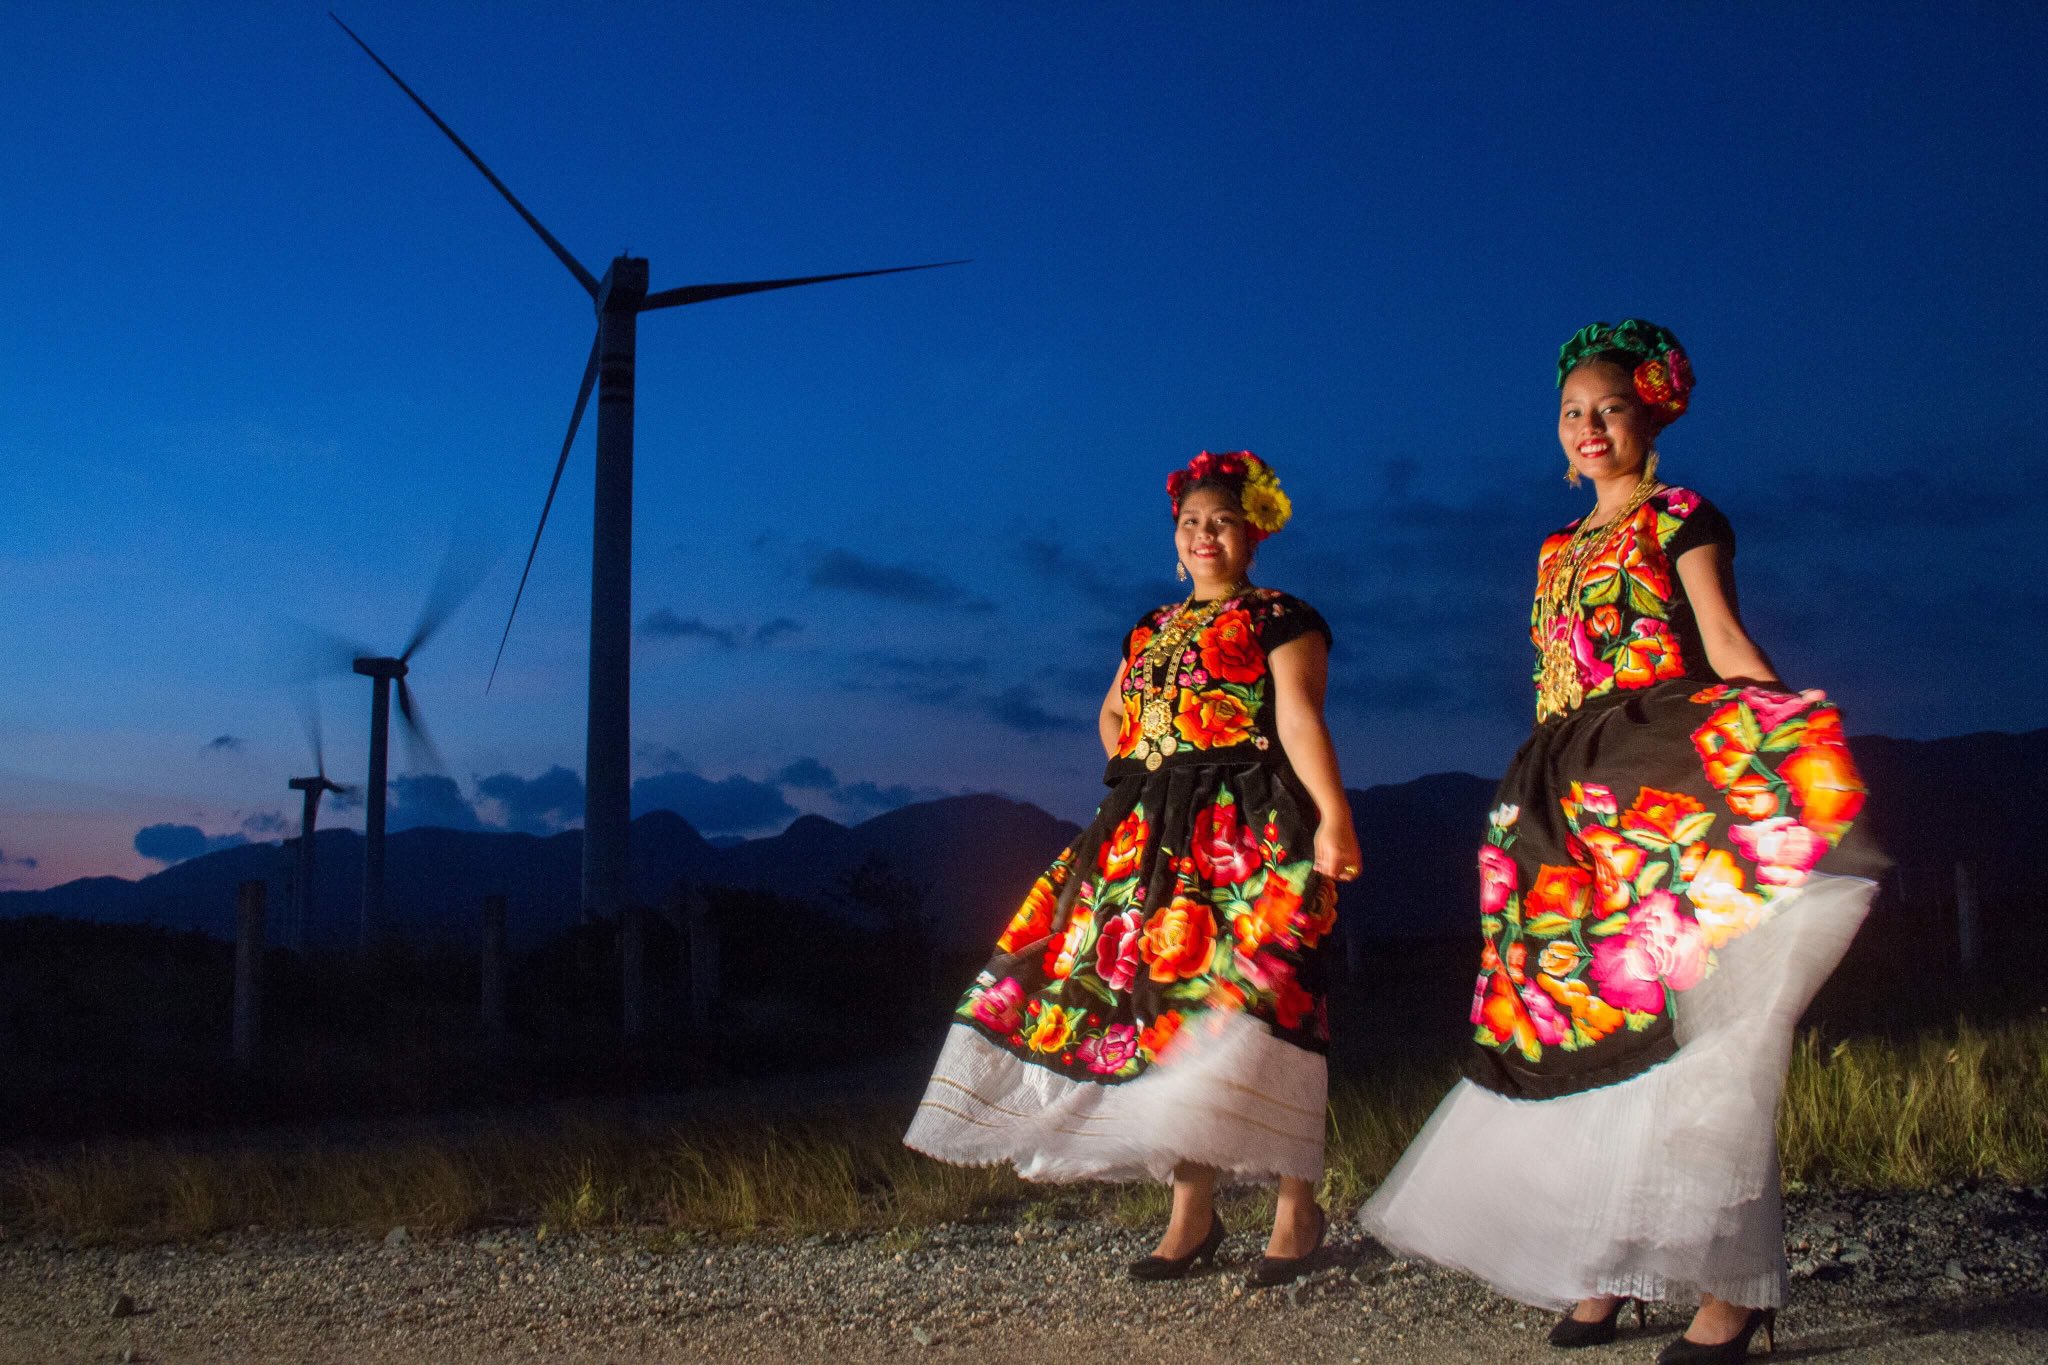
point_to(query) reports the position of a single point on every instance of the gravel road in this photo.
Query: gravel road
(1951, 1277)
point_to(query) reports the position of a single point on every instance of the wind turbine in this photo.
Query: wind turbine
(620, 297)
(314, 787)
(452, 584)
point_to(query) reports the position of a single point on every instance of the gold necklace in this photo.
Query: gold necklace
(1155, 716)
(1558, 685)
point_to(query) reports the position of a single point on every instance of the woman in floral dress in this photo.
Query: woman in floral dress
(1156, 1007)
(1671, 870)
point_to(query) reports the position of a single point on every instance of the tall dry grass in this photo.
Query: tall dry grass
(1970, 1103)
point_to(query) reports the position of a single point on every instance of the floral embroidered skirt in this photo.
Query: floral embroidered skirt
(1157, 998)
(1632, 841)
(1668, 877)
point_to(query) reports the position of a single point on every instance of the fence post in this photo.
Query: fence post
(493, 968)
(702, 936)
(248, 970)
(633, 966)
(1966, 922)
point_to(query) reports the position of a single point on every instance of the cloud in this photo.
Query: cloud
(781, 628)
(863, 799)
(807, 774)
(730, 805)
(264, 824)
(169, 843)
(16, 861)
(849, 572)
(222, 744)
(420, 800)
(1017, 707)
(663, 624)
(1049, 559)
(535, 805)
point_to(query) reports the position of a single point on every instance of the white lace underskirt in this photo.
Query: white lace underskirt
(1231, 1096)
(1662, 1186)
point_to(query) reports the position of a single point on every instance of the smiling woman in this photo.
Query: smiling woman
(1155, 1008)
(1671, 869)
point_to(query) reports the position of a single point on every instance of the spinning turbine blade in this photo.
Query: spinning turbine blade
(417, 740)
(705, 293)
(461, 570)
(575, 418)
(583, 277)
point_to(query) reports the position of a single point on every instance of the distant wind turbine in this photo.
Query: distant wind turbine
(620, 297)
(304, 900)
(454, 583)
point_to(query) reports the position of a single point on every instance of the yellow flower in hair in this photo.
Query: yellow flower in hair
(1265, 504)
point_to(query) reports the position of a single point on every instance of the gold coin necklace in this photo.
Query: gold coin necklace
(1157, 741)
(1558, 685)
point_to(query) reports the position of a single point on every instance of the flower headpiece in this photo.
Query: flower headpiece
(1257, 487)
(1663, 376)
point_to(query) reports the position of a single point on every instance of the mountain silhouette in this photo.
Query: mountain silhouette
(1935, 804)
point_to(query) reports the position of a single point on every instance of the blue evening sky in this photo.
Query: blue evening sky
(270, 342)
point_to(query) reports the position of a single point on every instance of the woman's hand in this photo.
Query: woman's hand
(1337, 854)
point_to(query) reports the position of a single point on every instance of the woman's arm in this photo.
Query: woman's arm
(1109, 721)
(1708, 573)
(1301, 674)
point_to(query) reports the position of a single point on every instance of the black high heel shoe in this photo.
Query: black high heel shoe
(1273, 1270)
(1571, 1332)
(1685, 1351)
(1174, 1267)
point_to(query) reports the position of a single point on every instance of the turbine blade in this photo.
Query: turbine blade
(583, 276)
(463, 565)
(705, 293)
(417, 741)
(575, 419)
(309, 712)
(312, 653)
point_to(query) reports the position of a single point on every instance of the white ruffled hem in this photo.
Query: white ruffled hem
(1233, 1097)
(1661, 1186)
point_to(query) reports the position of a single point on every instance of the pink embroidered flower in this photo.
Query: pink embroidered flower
(1479, 996)
(1681, 501)
(1551, 1024)
(1001, 1006)
(1594, 672)
(1112, 1051)
(1596, 798)
(1772, 709)
(1661, 947)
(1783, 850)
(1264, 970)
(1497, 879)
(1116, 951)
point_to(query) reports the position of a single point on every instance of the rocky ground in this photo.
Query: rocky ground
(1954, 1276)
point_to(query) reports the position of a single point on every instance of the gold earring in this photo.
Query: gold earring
(1571, 473)
(1180, 571)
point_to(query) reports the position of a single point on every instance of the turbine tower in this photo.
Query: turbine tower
(620, 297)
(304, 900)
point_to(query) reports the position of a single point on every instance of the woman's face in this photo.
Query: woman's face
(1604, 427)
(1213, 538)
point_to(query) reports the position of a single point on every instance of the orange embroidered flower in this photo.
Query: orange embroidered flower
(1140, 637)
(1503, 1017)
(1230, 648)
(1616, 862)
(1292, 1004)
(1178, 940)
(1067, 946)
(1153, 1038)
(1723, 747)
(1605, 620)
(1033, 919)
(1558, 958)
(1314, 919)
(1518, 961)
(1649, 655)
(1055, 1026)
(1724, 910)
(1273, 911)
(1559, 891)
(1211, 719)
(1589, 1011)
(1753, 796)
(1119, 855)
(1131, 727)
(1659, 813)
(1823, 778)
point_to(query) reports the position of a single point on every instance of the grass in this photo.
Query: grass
(1966, 1104)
